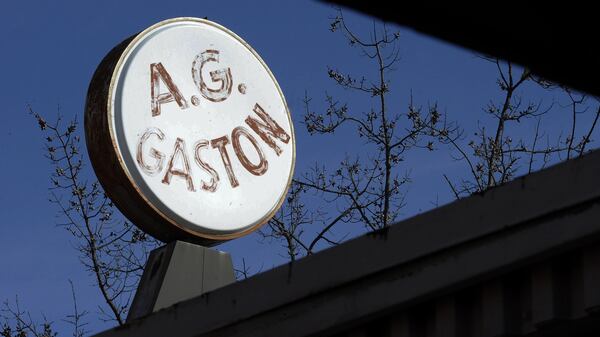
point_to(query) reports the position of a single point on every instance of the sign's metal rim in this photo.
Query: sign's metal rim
(113, 82)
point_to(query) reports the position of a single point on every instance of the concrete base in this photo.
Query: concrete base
(179, 271)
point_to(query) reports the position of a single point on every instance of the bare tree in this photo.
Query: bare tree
(110, 248)
(577, 105)
(365, 190)
(19, 323)
(496, 157)
(77, 318)
(368, 190)
(288, 224)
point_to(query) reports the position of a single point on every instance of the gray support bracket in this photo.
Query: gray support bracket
(179, 271)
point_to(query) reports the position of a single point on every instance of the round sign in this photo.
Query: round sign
(189, 132)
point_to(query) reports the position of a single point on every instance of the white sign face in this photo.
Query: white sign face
(201, 127)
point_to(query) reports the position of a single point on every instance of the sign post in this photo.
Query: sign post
(189, 133)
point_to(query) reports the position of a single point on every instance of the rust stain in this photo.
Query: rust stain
(220, 143)
(157, 73)
(214, 180)
(159, 156)
(267, 128)
(195, 100)
(222, 76)
(242, 88)
(186, 173)
(262, 166)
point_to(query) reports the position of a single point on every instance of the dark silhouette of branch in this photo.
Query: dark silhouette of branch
(109, 247)
(76, 319)
(496, 158)
(365, 191)
(19, 323)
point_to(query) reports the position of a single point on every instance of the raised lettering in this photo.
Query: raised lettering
(222, 75)
(214, 176)
(267, 129)
(158, 73)
(221, 143)
(185, 173)
(262, 166)
(159, 156)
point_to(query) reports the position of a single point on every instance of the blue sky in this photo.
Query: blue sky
(51, 48)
